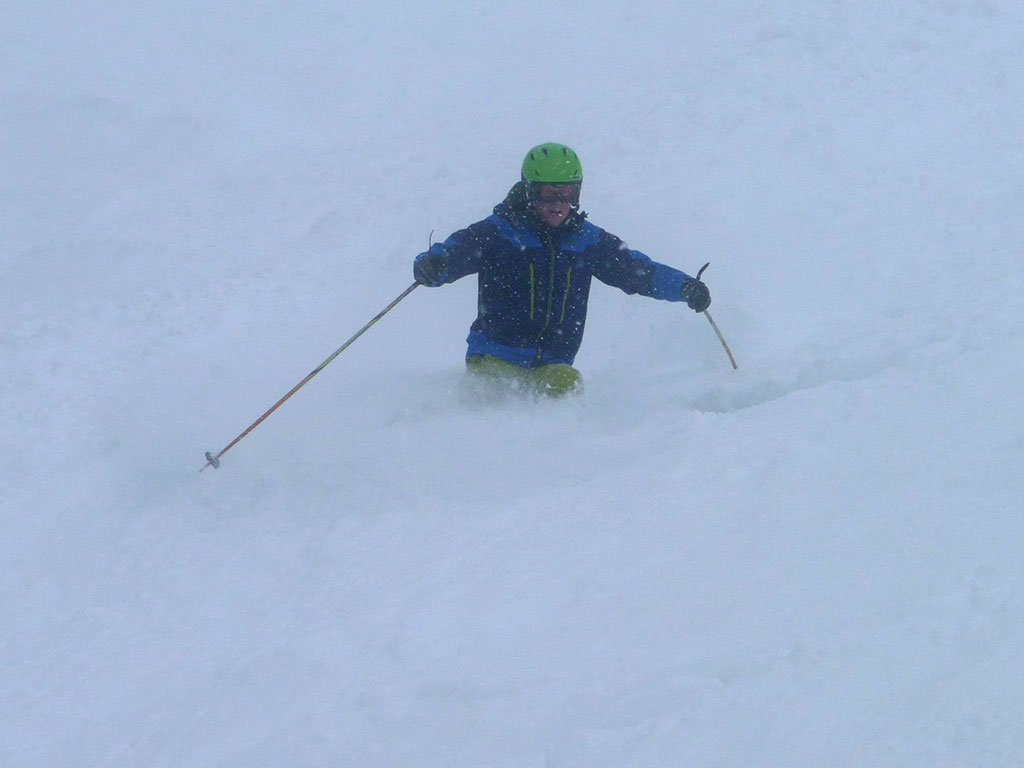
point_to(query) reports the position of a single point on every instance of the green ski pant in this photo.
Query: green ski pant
(554, 379)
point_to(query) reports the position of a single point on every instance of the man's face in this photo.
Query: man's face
(554, 202)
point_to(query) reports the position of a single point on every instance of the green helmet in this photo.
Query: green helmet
(552, 164)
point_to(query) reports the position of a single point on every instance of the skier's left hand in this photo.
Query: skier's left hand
(696, 294)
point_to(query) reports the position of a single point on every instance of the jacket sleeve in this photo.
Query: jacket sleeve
(464, 250)
(635, 272)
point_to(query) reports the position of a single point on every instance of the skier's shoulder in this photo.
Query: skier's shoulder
(513, 227)
(585, 235)
(477, 234)
(589, 229)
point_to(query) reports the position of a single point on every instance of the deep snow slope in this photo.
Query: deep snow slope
(813, 560)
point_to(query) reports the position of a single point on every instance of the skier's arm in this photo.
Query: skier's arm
(635, 272)
(456, 257)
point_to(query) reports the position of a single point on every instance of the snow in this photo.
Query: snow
(813, 560)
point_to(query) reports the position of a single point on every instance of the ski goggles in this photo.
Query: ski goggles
(556, 193)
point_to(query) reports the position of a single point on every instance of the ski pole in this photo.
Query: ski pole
(214, 461)
(721, 339)
(718, 333)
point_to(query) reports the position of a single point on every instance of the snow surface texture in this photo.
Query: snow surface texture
(812, 561)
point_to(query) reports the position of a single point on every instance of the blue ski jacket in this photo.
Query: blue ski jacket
(534, 281)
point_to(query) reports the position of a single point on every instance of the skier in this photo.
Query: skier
(534, 259)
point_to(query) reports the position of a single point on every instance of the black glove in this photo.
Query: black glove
(430, 269)
(696, 294)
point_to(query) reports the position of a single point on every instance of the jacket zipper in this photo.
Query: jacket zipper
(553, 250)
(533, 290)
(551, 284)
(565, 299)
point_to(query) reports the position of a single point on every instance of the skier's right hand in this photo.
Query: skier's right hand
(430, 268)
